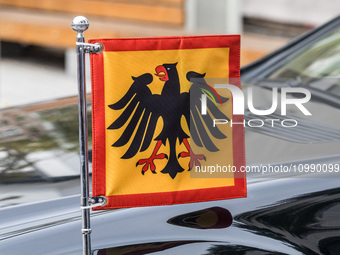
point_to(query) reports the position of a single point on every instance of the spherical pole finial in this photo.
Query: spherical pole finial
(80, 24)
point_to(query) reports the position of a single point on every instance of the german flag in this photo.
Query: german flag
(150, 140)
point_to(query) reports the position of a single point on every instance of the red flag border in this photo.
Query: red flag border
(98, 122)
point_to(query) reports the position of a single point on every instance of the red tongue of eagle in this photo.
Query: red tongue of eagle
(162, 73)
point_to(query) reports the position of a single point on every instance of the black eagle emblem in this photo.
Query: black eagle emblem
(147, 108)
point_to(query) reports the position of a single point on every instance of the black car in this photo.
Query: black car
(286, 212)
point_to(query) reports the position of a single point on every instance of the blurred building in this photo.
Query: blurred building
(41, 30)
(47, 22)
(289, 12)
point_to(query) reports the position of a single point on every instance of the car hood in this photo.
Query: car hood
(39, 150)
(279, 216)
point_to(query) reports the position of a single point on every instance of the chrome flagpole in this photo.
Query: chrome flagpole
(81, 24)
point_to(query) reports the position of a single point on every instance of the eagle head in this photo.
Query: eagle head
(165, 70)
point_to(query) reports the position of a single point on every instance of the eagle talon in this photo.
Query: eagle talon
(149, 162)
(194, 158)
(183, 154)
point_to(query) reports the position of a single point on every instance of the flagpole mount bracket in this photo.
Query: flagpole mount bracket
(91, 48)
(97, 201)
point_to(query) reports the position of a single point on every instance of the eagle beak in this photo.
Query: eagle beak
(161, 73)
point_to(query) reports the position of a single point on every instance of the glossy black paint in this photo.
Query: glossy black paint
(298, 216)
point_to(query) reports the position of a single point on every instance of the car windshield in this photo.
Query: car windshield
(321, 59)
(314, 66)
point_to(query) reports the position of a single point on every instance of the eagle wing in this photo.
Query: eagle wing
(140, 112)
(201, 126)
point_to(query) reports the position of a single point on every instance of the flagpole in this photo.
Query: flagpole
(80, 24)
